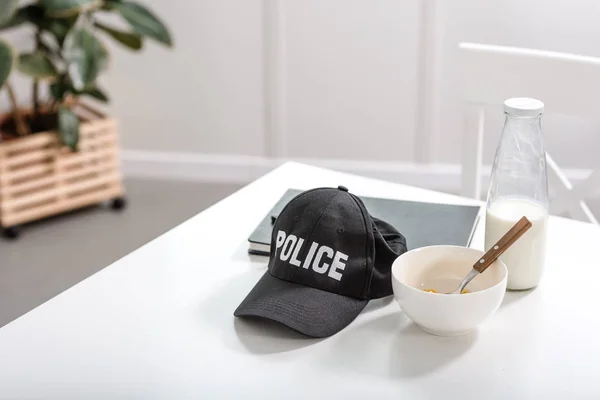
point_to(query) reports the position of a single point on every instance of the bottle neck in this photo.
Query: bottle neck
(519, 169)
(526, 130)
(523, 123)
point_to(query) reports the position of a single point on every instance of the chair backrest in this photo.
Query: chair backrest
(566, 83)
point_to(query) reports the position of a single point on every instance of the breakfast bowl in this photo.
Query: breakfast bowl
(442, 268)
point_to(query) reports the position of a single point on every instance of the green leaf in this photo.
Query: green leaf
(59, 28)
(68, 127)
(37, 65)
(130, 40)
(59, 89)
(16, 20)
(96, 94)
(7, 60)
(35, 14)
(66, 8)
(108, 4)
(7, 10)
(32, 13)
(143, 21)
(87, 57)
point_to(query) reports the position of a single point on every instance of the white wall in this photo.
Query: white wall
(365, 85)
(205, 95)
(351, 78)
(348, 80)
(343, 79)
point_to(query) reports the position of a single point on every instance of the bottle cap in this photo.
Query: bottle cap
(523, 107)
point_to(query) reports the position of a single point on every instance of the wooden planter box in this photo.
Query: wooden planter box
(40, 177)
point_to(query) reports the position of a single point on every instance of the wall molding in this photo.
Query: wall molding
(428, 89)
(274, 78)
(232, 168)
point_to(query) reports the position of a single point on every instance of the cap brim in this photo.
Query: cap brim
(310, 311)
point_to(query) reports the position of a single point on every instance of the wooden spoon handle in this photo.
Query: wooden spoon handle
(502, 245)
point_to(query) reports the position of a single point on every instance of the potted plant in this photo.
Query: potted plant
(61, 153)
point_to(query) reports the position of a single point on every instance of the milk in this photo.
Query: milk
(526, 257)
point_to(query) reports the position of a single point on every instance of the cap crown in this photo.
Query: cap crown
(324, 238)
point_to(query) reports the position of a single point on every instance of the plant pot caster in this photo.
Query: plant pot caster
(118, 203)
(11, 232)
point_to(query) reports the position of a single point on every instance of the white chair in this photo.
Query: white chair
(566, 83)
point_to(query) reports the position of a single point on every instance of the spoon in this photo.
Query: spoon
(496, 251)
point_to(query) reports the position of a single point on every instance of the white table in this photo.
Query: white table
(158, 324)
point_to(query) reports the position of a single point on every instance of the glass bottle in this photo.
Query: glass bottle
(519, 187)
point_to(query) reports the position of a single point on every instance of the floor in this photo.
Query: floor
(53, 255)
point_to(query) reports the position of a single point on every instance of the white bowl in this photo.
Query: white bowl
(442, 268)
